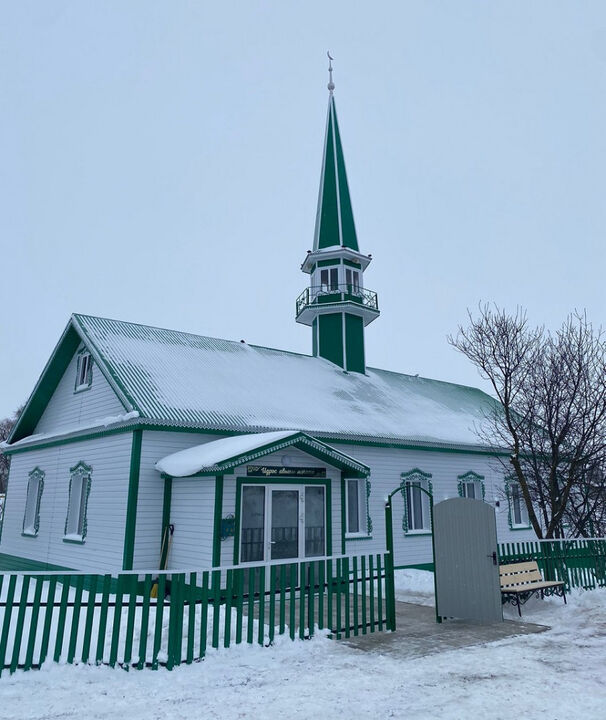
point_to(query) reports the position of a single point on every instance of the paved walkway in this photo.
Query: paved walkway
(417, 633)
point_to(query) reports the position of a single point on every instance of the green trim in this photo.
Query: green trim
(3, 513)
(73, 438)
(89, 372)
(418, 566)
(301, 441)
(217, 521)
(330, 338)
(80, 470)
(53, 371)
(343, 512)
(35, 474)
(368, 518)
(352, 264)
(470, 476)
(166, 507)
(128, 553)
(153, 426)
(9, 563)
(325, 482)
(408, 477)
(329, 263)
(397, 445)
(354, 343)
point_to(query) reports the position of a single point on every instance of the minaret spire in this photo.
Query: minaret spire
(331, 85)
(336, 304)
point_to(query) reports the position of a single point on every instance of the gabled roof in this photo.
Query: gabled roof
(334, 219)
(71, 338)
(180, 379)
(221, 456)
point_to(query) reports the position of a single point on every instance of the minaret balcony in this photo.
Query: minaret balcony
(314, 301)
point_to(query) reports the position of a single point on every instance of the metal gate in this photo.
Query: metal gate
(465, 559)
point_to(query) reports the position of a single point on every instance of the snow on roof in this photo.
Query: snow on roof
(201, 457)
(183, 379)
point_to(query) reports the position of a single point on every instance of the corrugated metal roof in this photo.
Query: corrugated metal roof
(186, 379)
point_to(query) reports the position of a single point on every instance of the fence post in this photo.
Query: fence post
(390, 590)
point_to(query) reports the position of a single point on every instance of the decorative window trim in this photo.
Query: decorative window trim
(81, 470)
(362, 535)
(406, 478)
(38, 475)
(509, 481)
(471, 476)
(86, 385)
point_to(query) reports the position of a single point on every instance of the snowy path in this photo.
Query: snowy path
(558, 674)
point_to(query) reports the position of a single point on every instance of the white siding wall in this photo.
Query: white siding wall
(192, 541)
(68, 409)
(387, 464)
(192, 513)
(102, 550)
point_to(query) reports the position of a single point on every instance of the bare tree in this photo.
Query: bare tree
(6, 426)
(551, 415)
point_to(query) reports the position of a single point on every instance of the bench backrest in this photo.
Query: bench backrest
(519, 573)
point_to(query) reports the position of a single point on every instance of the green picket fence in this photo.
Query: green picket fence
(138, 620)
(579, 563)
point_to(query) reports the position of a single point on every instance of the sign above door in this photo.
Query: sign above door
(270, 471)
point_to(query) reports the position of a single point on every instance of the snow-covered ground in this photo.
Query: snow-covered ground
(558, 674)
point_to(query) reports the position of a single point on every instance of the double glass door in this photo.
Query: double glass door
(279, 522)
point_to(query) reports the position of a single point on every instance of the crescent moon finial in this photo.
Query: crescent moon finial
(331, 85)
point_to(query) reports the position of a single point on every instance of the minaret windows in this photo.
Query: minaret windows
(352, 280)
(329, 279)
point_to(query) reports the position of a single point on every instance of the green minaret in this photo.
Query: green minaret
(336, 305)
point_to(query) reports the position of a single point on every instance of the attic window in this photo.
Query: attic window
(84, 371)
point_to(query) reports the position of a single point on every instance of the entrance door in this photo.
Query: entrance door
(466, 566)
(280, 522)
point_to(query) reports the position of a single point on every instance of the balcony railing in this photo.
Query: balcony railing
(317, 295)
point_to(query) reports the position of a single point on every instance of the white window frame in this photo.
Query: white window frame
(84, 371)
(76, 521)
(477, 489)
(410, 479)
(267, 523)
(362, 495)
(31, 514)
(352, 279)
(513, 497)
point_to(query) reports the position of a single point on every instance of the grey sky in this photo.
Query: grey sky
(159, 163)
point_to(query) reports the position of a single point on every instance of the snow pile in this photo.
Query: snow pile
(556, 674)
(193, 460)
(415, 586)
(103, 422)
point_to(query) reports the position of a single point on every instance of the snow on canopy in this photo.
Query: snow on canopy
(201, 457)
(183, 379)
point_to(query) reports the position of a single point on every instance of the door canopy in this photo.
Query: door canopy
(222, 456)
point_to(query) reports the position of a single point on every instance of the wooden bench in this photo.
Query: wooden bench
(520, 581)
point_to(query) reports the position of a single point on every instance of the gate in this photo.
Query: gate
(465, 561)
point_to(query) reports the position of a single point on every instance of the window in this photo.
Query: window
(471, 485)
(84, 371)
(356, 507)
(31, 516)
(352, 279)
(415, 486)
(329, 279)
(518, 513)
(79, 489)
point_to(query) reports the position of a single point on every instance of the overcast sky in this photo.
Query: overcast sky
(160, 162)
